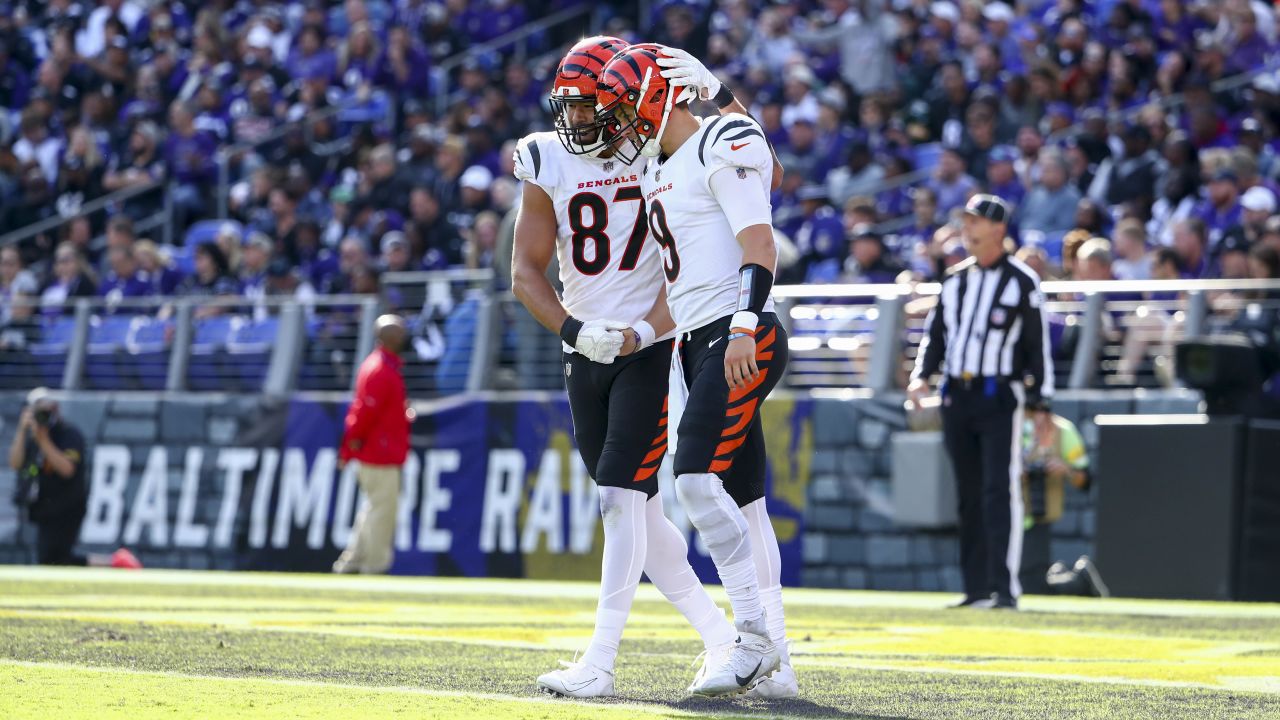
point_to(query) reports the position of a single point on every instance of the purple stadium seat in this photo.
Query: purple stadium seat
(249, 347)
(104, 368)
(208, 350)
(148, 348)
(207, 230)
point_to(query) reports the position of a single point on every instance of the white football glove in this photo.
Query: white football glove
(684, 69)
(601, 340)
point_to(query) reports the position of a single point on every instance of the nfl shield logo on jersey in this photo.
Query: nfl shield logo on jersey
(742, 173)
(998, 316)
(657, 176)
(568, 369)
(608, 167)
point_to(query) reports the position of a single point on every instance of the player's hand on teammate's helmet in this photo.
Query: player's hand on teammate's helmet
(684, 69)
(740, 362)
(601, 340)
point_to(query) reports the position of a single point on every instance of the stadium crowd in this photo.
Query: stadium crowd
(1135, 138)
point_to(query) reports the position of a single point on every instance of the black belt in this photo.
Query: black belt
(969, 381)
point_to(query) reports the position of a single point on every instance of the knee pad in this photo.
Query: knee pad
(710, 509)
(616, 501)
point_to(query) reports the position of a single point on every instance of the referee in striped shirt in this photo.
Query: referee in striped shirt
(987, 338)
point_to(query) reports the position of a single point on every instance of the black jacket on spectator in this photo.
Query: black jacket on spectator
(58, 499)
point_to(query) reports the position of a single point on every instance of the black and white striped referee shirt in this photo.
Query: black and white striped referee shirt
(989, 322)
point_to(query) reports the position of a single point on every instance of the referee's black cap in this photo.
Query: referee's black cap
(986, 206)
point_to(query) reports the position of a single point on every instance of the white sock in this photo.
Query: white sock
(667, 565)
(622, 511)
(768, 560)
(724, 531)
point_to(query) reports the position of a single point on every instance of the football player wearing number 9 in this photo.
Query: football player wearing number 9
(584, 205)
(707, 191)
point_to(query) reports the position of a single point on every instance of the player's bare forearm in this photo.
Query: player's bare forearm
(535, 242)
(737, 107)
(758, 247)
(659, 316)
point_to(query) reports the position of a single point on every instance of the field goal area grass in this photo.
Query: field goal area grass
(79, 643)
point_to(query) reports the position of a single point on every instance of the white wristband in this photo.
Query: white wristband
(744, 319)
(645, 332)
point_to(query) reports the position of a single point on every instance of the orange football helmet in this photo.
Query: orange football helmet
(576, 78)
(633, 80)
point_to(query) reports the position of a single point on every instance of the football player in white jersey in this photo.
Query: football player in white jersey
(707, 194)
(585, 206)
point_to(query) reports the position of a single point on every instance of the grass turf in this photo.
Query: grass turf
(86, 643)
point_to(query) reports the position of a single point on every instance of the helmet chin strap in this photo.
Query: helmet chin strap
(653, 146)
(577, 146)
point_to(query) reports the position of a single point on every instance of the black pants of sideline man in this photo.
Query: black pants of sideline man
(56, 540)
(982, 428)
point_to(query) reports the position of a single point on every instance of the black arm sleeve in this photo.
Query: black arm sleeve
(934, 345)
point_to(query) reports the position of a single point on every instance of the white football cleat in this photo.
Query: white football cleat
(710, 657)
(781, 684)
(734, 669)
(577, 680)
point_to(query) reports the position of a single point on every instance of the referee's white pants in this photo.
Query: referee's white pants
(369, 549)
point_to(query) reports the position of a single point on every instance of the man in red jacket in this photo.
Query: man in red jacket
(377, 435)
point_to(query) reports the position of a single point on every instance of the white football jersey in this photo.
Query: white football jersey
(608, 268)
(701, 254)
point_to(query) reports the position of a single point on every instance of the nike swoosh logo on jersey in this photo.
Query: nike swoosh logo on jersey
(739, 147)
(742, 681)
(713, 342)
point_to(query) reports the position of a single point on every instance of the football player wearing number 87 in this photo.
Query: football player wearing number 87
(706, 186)
(583, 204)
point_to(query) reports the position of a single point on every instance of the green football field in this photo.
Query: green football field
(157, 644)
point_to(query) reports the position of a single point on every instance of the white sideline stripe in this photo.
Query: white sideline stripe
(588, 590)
(659, 709)
(1259, 684)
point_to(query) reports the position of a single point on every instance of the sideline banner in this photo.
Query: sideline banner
(491, 489)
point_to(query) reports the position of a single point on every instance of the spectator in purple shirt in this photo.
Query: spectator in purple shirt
(358, 58)
(924, 222)
(1002, 179)
(1248, 48)
(159, 270)
(1220, 210)
(189, 157)
(124, 279)
(1175, 25)
(1191, 243)
(950, 183)
(15, 82)
(310, 57)
(404, 67)
(821, 233)
(254, 261)
(869, 261)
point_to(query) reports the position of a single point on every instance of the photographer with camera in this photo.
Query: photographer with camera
(48, 454)
(1053, 455)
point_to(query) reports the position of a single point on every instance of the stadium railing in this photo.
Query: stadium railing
(378, 104)
(223, 344)
(843, 335)
(519, 39)
(464, 337)
(108, 205)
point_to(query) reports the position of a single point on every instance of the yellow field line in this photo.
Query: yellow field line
(1246, 684)
(533, 589)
